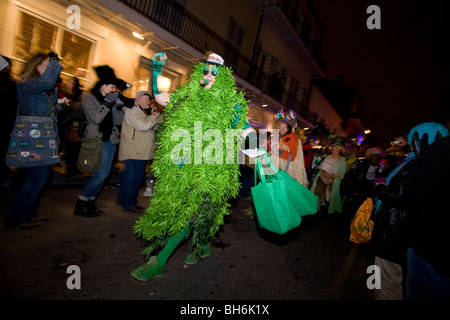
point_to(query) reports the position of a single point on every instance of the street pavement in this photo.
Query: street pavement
(313, 262)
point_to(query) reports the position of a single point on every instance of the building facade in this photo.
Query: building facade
(273, 46)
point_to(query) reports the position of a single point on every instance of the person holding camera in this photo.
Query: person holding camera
(136, 148)
(37, 95)
(104, 114)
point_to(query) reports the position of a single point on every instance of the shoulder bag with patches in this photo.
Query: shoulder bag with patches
(33, 141)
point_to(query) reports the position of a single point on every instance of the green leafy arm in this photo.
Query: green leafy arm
(159, 60)
(249, 134)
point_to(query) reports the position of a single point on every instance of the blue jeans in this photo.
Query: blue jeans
(24, 205)
(423, 282)
(94, 185)
(131, 179)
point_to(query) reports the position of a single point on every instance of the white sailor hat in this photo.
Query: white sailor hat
(215, 59)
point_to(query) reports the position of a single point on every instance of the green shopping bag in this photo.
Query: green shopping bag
(279, 199)
(305, 201)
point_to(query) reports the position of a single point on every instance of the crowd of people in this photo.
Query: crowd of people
(408, 182)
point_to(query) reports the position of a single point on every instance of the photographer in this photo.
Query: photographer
(37, 95)
(104, 115)
(136, 148)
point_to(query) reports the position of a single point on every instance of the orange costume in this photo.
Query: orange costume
(290, 145)
(290, 140)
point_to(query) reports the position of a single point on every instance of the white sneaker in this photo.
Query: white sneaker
(148, 192)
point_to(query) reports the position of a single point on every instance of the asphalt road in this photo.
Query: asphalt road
(314, 262)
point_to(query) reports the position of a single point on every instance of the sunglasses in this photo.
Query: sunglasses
(214, 71)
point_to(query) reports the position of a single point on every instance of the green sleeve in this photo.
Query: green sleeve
(157, 71)
(237, 117)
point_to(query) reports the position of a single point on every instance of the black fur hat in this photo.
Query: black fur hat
(106, 74)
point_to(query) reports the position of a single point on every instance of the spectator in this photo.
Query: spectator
(104, 114)
(150, 178)
(37, 95)
(427, 190)
(77, 122)
(307, 154)
(8, 96)
(136, 148)
(390, 234)
(327, 182)
(374, 165)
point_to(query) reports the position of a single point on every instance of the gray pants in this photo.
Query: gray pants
(391, 277)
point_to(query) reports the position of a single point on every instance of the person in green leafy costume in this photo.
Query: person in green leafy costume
(195, 177)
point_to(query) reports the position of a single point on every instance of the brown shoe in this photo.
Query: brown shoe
(28, 225)
(135, 209)
(42, 218)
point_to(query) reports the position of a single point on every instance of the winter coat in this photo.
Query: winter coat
(389, 237)
(427, 191)
(95, 112)
(138, 134)
(33, 97)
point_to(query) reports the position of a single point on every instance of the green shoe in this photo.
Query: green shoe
(148, 271)
(195, 256)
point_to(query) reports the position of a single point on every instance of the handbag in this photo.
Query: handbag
(90, 154)
(33, 142)
(280, 200)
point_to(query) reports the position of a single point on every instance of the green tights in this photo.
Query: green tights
(156, 265)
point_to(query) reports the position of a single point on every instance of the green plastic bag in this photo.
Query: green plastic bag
(280, 201)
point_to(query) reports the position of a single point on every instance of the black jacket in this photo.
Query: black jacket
(428, 194)
(389, 238)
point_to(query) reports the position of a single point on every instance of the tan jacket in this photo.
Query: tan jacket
(137, 140)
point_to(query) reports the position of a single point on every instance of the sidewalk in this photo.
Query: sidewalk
(317, 263)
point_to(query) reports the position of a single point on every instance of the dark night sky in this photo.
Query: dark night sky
(402, 71)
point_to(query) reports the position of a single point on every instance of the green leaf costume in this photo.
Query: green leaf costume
(196, 168)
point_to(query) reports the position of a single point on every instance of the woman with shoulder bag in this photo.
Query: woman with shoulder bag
(37, 94)
(104, 114)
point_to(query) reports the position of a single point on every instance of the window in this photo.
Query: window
(76, 52)
(34, 35)
(235, 34)
(143, 77)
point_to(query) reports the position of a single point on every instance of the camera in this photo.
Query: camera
(127, 102)
(395, 142)
(53, 56)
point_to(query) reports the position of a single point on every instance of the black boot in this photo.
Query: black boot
(93, 208)
(82, 209)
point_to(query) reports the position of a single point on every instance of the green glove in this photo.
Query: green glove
(157, 70)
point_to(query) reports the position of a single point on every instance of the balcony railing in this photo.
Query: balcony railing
(181, 23)
(177, 20)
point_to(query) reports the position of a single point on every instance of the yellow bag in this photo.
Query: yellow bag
(361, 226)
